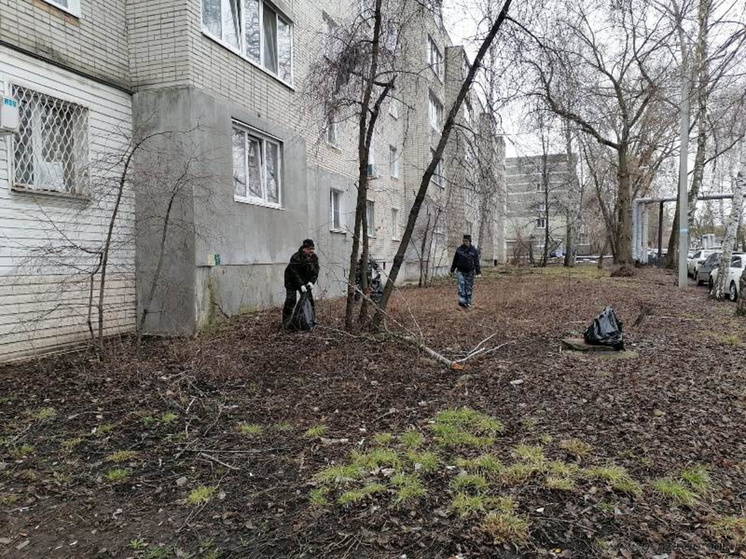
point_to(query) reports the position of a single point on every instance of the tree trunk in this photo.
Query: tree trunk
(720, 289)
(624, 210)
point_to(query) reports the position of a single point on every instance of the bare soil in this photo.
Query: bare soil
(675, 398)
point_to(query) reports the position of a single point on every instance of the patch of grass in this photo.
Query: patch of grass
(617, 477)
(8, 499)
(121, 456)
(200, 495)
(560, 483)
(411, 439)
(318, 497)
(529, 423)
(428, 461)
(339, 474)
(168, 417)
(562, 469)
(383, 439)
(697, 477)
(249, 429)
(518, 474)
(546, 439)
(137, 544)
(359, 494)
(69, 444)
(486, 464)
(410, 488)
(730, 528)
(156, 553)
(21, 451)
(148, 420)
(44, 413)
(452, 435)
(579, 448)
(116, 475)
(468, 505)
(471, 420)
(529, 454)
(315, 432)
(675, 491)
(506, 527)
(376, 458)
(469, 481)
(104, 429)
(283, 426)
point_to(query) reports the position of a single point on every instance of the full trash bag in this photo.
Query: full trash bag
(606, 329)
(304, 315)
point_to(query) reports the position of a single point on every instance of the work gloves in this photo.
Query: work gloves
(307, 287)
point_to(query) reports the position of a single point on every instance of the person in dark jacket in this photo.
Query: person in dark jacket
(466, 265)
(300, 275)
(375, 285)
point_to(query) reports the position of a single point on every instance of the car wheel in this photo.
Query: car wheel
(733, 291)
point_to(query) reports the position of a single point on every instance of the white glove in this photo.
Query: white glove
(309, 286)
(302, 288)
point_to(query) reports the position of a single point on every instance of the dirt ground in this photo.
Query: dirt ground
(251, 442)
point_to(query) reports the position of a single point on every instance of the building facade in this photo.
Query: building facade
(199, 107)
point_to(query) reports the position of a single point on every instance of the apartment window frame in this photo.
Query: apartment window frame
(330, 37)
(435, 112)
(395, 228)
(336, 203)
(71, 7)
(435, 58)
(331, 131)
(438, 178)
(252, 135)
(541, 218)
(393, 162)
(394, 108)
(48, 161)
(259, 50)
(370, 217)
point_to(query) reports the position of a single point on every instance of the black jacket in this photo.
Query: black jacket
(466, 260)
(301, 270)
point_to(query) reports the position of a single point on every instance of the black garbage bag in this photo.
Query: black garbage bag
(606, 329)
(304, 315)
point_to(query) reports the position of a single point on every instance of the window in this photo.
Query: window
(469, 228)
(257, 167)
(541, 220)
(69, 6)
(393, 162)
(395, 224)
(394, 108)
(467, 112)
(335, 210)
(470, 196)
(255, 30)
(438, 175)
(330, 37)
(539, 187)
(331, 129)
(370, 215)
(435, 58)
(436, 112)
(51, 145)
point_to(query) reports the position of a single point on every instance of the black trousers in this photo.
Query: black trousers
(291, 297)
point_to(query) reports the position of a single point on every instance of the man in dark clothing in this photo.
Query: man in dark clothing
(300, 275)
(466, 265)
(375, 286)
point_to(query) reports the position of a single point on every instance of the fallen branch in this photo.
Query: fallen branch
(202, 454)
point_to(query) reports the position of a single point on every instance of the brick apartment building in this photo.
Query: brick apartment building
(266, 171)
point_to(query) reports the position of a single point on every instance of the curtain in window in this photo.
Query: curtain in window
(273, 172)
(239, 163)
(270, 40)
(211, 17)
(230, 22)
(253, 32)
(285, 50)
(255, 168)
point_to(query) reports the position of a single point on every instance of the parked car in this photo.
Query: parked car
(696, 260)
(702, 270)
(737, 265)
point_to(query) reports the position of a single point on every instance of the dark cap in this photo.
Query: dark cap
(308, 243)
(467, 237)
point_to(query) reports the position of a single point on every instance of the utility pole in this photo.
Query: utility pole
(683, 152)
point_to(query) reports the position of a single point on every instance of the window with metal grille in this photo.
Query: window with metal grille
(51, 145)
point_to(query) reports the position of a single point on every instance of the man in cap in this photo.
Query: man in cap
(466, 265)
(300, 275)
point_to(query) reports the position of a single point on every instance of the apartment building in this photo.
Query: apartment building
(539, 191)
(217, 88)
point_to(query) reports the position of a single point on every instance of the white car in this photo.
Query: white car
(737, 265)
(693, 263)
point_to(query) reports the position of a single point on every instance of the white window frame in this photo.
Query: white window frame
(332, 130)
(395, 232)
(393, 162)
(329, 38)
(338, 196)
(72, 8)
(438, 178)
(434, 58)
(435, 112)
(264, 139)
(539, 187)
(394, 108)
(370, 217)
(541, 219)
(241, 50)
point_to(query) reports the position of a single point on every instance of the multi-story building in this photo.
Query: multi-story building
(189, 119)
(540, 192)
